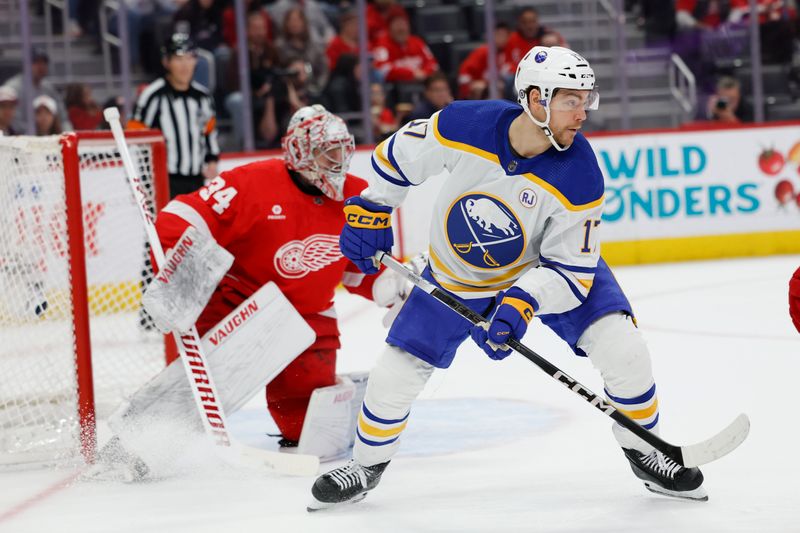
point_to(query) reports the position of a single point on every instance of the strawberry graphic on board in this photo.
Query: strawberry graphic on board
(771, 161)
(784, 192)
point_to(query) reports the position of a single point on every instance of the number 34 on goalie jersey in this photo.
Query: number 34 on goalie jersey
(221, 194)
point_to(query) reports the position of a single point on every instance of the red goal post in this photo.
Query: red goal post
(74, 261)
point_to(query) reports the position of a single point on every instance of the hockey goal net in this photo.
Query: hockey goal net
(74, 341)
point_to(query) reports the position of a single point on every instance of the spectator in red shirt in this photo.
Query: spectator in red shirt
(473, 72)
(400, 56)
(529, 33)
(701, 14)
(379, 13)
(83, 111)
(346, 41)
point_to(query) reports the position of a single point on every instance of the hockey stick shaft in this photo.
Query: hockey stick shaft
(191, 352)
(716, 447)
(204, 392)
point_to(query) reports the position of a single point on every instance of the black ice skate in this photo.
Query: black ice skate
(346, 484)
(284, 443)
(662, 475)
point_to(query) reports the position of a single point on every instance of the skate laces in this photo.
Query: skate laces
(663, 465)
(349, 475)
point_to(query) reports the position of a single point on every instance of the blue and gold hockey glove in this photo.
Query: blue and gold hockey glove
(511, 319)
(367, 229)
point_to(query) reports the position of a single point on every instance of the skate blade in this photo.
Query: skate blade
(317, 505)
(699, 494)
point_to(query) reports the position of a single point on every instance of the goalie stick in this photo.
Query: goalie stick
(194, 360)
(693, 455)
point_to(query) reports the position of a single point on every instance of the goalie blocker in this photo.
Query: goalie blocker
(181, 289)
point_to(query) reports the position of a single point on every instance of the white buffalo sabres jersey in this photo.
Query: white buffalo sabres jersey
(500, 219)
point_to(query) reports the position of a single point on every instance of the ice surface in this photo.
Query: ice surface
(499, 446)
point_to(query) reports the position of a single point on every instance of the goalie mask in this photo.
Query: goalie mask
(319, 147)
(548, 69)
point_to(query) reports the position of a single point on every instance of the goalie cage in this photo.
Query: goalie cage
(74, 341)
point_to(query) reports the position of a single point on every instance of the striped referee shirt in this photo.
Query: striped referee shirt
(186, 119)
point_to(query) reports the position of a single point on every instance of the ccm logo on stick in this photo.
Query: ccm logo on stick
(593, 398)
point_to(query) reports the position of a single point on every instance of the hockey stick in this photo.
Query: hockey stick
(704, 452)
(194, 361)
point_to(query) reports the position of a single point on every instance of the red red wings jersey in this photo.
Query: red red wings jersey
(275, 232)
(518, 46)
(398, 62)
(476, 66)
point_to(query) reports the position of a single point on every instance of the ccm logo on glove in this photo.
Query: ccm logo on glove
(358, 217)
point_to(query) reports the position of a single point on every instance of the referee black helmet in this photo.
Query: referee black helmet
(178, 44)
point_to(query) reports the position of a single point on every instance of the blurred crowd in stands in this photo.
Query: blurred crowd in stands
(306, 51)
(712, 38)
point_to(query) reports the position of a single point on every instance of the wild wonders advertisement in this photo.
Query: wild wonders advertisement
(698, 183)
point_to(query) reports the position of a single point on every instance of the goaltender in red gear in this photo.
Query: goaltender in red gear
(281, 219)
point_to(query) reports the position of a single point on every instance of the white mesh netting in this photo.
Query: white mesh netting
(38, 388)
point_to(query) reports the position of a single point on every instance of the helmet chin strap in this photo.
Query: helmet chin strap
(545, 126)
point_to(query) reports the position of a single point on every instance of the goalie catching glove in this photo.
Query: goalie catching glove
(511, 319)
(185, 282)
(368, 229)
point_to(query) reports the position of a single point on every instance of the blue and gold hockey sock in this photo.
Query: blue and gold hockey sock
(377, 437)
(642, 408)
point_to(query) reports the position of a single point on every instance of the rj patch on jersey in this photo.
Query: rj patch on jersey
(484, 232)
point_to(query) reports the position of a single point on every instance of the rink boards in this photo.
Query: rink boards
(670, 194)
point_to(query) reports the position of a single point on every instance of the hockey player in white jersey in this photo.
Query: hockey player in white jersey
(514, 233)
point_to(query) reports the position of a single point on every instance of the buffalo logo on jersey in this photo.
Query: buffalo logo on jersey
(484, 232)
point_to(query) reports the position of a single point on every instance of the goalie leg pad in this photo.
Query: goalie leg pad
(330, 423)
(617, 349)
(289, 393)
(245, 350)
(393, 385)
(360, 380)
